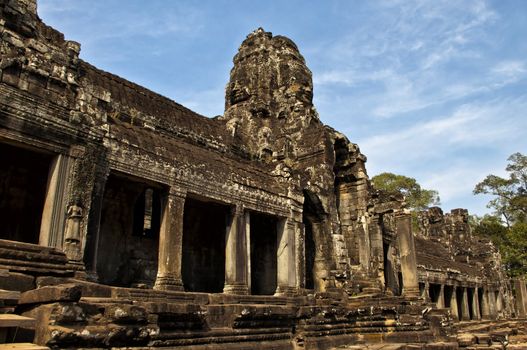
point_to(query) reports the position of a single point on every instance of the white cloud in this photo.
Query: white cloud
(470, 125)
(453, 153)
(413, 42)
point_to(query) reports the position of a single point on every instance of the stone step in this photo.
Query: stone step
(22, 346)
(11, 320)
(8, 297)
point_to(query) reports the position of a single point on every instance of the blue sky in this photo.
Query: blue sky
(435, 90)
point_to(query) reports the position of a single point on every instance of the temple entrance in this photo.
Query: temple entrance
(313, 216)
(23, 183)
(127, 252)
(203, 260)
(263, 238)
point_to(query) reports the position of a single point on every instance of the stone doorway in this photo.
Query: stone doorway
(127, 252)
(263, 238)
(313, 217)
(203, 260)
(23, 182)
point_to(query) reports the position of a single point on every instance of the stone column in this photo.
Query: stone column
(426, 291)
(91, 250)
(521, 297)
(453, 304)
(485, 307)
(320, 268)
(54, 212)
(171, 242)
(499, 302)
(286, 262)
(405, 240)
(475, 304)
(364, 243)
(492, 304)
(441, 298)
(236, 254)
(465, 312)
(376, 249)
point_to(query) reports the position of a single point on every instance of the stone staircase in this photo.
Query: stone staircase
(15, 331)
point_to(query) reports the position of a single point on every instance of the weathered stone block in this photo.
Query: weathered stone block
(125, 314)
(16, 281)
(50, 294)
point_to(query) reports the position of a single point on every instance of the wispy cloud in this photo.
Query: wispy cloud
(454, 152)
(480, 124)
(415, 43)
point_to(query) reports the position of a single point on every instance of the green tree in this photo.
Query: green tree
(510, 193)
(417, 197)
(507, 227)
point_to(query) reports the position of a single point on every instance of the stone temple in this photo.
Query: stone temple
(129, 221)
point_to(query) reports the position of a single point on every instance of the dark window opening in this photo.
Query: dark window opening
(23, 184)
(147, 214)
(263, 236)
(203, 261)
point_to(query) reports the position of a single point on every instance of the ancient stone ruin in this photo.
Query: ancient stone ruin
(129, 221)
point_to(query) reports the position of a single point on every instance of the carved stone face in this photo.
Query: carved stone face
(238, 93)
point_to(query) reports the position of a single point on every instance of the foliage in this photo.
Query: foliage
(417, 197)
(510, 200)
(507, 227)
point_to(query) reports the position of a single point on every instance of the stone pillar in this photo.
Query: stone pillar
(521, 297)
(426, 291)
(171, 242)
(320, 269)
(485, 307)
(492, 304)
(54, 212)
(499, 303)
(236, 253)
(286, 262)
(441, 298)
(453, 304)
(364, 244)
(91, 250)
(377, 254)
(475, 304)
(405, 240)
(465, 312)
